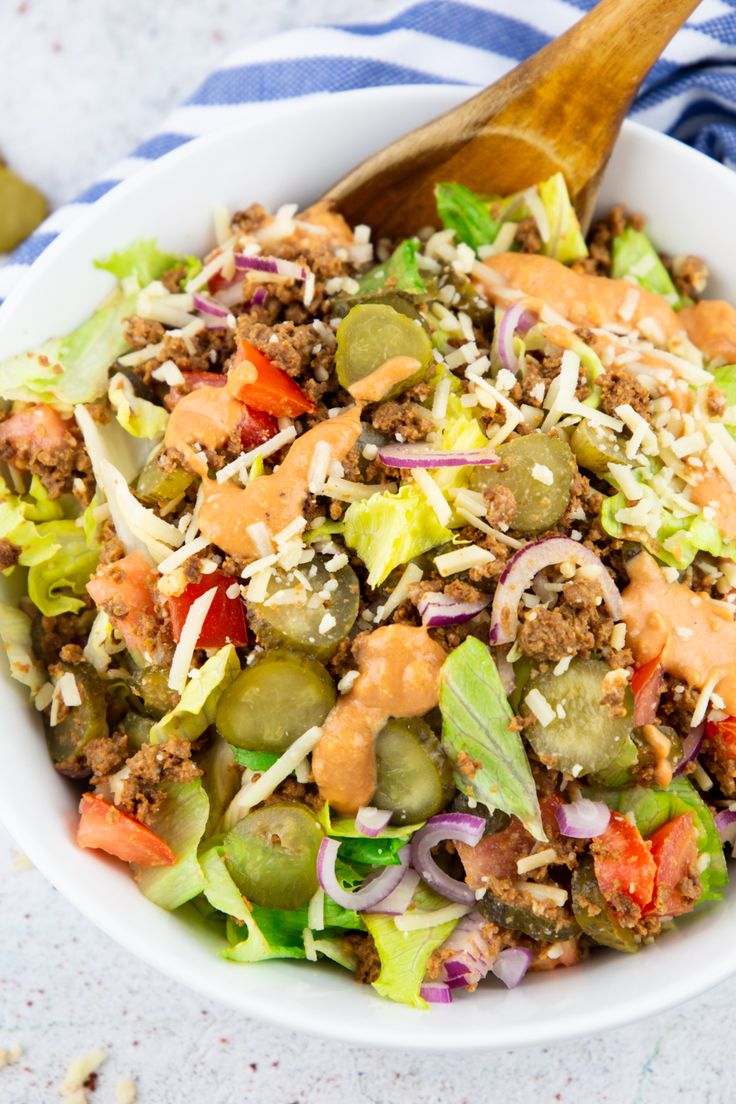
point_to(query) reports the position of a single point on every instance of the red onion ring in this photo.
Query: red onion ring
(583, 819)
(399, 900)
(521, 570)
(369, 821)
(206, 306)
(505, 670)
(421, 456)
(274, 265)
(436, 992)
(445, 826)
(372, 892)
(726, 824)
(471, 954)
(511, 965)
(437, 609)
(513, 319)
(691, 745)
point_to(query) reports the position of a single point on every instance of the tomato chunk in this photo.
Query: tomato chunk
(675, 851)
(194, 380)
(495, 855)
(623, 862)
(256, 428)
(273, 391)
(721, 739)
(35, 429)
(646, 684)
(125, 591)
(225, 622)
(106, 828)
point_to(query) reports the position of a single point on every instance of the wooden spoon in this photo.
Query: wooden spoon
(559, 110)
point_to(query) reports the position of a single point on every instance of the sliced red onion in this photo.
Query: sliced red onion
(369, 821)
(274, 265)
(505, 670)
(691, 745)
(232, 294)
(445, 826)
(438, 610)
(399, 900)
(207, 306)
(371, 893)
(726, 825)
(259, 297)
(511, 965)
(436, 992)
(583, 819)
(525, 565)
(513, 319)
(471, 954)
(647, 699)
(421, 456)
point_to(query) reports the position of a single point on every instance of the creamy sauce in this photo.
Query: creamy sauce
(711, 325)
(378, 383)
(713, 490)
(206, 418)
(596, 300)
(654, 610)
(399, 676)
(228, 510)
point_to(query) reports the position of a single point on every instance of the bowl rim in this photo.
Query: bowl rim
(678, 987)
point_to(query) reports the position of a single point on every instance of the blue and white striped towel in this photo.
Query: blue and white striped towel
(691, 92)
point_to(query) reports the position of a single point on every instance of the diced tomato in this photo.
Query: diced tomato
(675, 851)
(256, 428)
(721, 739)
(106, 828)
(646, 684)
(496, 855)
(225, 623)
(35, 429)
(194, 380)
(623, 862)
(128, 584)
(273, 391)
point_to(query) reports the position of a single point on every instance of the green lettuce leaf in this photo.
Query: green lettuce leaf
(372, 852)
(725, 379)
(467, 214)
(254, 760)
(653, 807)
(390, 529)
(65, 571)
(71, 369)
(399, 273)
(678, 540)
(142, 259)
(461, 433)
(15, 636)
(404, 955)
(198, 703)
(635, 257)
(475, 722)
(566, 243)
(137, 416)
(181, 822)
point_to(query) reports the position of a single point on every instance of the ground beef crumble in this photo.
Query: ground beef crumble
(141, 794)
(402, 418)
(618, 386)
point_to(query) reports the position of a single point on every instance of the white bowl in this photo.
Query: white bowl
(689, 201)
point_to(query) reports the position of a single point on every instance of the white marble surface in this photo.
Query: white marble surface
(81, 81)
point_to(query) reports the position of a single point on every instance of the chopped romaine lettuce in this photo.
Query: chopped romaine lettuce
(344, 827)
(65, 569)
(404, 954)
(475, 725)
(71, 369)
(566, 242)
(653, 807)
(15, 635)
(142, 259)
(198, 704)
(635, 257)
(725, 379)
(390, 529)
(678, 540)
(137, 416)
(399, 273)
(462, 433)
(254, 760)
(372, 852)
(467, 214)
(102, 643)
(181, 822)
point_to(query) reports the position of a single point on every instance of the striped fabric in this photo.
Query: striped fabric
(691, 92)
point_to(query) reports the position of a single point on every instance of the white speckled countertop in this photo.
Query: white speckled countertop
(81, 81)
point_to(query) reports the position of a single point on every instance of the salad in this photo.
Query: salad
(378, 598)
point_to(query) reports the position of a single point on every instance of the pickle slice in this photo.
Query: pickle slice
(151, 685)
(583, 737)
(414, 775)
(271, 855)
(593, 914)
(137, 729)
(553, 925)
(303, 619)
(595, 448)
(372, 333)
(526, 467)
(80, 723)
(156, 485)
(270, 704)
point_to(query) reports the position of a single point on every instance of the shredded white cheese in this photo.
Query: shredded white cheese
(412, 574)
(168, 373)
(441, 397)
(192, 627)
(319, 467)
(543, 474)
(261, 537)
(462, 559)
(69, 690)
(534, 862)
(417, 921)
(701, 706)
(253, 792)
(181, 555)
(347, 681)
(542, 892)
(540, 707)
